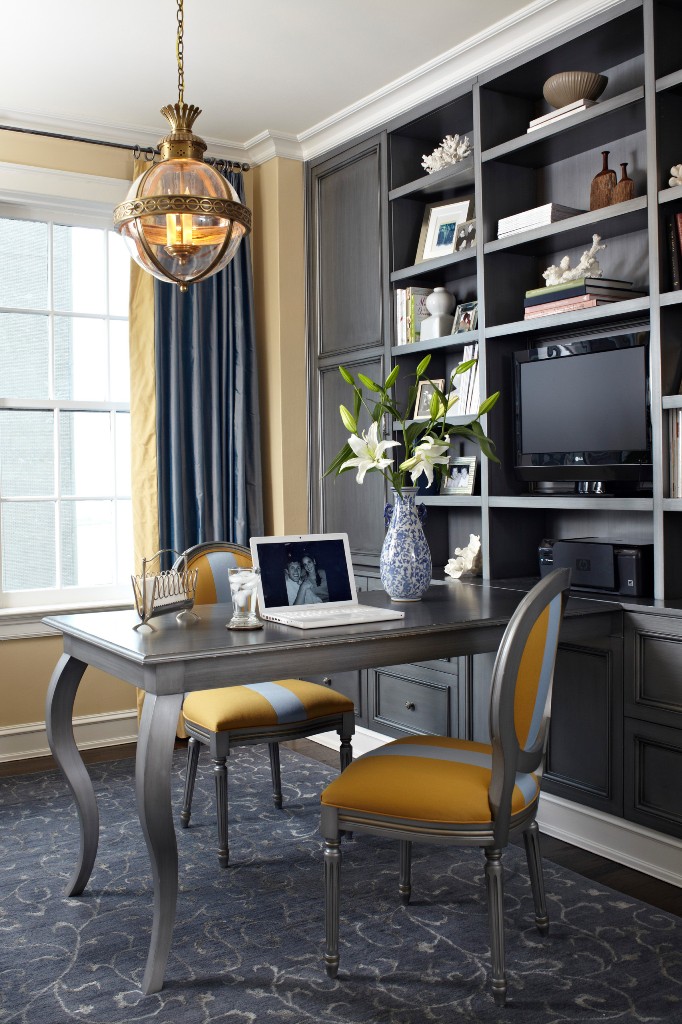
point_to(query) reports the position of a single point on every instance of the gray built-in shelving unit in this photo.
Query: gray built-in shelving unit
(367, 206)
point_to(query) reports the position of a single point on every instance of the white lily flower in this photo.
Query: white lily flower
(368, 451)
(430, 452)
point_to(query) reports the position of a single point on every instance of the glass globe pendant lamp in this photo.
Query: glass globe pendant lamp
(181, 220)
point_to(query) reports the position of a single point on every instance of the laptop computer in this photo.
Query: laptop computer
(308, 582)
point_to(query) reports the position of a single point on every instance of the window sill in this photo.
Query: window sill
(27, 623)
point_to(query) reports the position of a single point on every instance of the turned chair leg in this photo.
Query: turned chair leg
(405, 883)
(346, 752)
(190, 778)
(276, 774)
(220, 775)
(346, 758)
(332, 889)
(531, 838)
(495, 889)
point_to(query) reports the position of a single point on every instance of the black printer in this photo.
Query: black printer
(614, 567)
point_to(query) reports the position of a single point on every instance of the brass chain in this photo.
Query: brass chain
(180, 53)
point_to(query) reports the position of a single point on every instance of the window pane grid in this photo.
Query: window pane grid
(83, 538)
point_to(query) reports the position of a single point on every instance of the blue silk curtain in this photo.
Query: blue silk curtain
(208, 424)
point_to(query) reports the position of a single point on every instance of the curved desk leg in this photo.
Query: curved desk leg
(59, 721)
(152, 789)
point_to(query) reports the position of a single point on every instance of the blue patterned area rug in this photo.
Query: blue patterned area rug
(247, 946)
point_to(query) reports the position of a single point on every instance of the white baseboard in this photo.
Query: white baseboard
(17, 743)
(622, 841)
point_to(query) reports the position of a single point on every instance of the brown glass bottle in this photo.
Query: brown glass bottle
(603, 185)
(625, 189)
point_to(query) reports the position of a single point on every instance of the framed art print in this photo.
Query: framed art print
(460, 476)
(466, 317)
(439, 227)
(425, 392)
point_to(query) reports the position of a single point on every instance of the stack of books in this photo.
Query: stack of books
(466, 385)
(581, 294)
(535, 218)
(410, 310)
(556, 115)
(675, 447)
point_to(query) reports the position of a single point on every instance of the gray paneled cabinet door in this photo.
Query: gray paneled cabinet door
(346, 316)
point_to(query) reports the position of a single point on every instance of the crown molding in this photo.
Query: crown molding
(37, 188)
(503, 40)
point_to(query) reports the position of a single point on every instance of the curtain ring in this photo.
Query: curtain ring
(149, 154)
(137, 152)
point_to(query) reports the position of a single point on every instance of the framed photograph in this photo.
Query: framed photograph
(466, 317)
(438, 234)
(424, 395)
(460, 476)
(465, 235)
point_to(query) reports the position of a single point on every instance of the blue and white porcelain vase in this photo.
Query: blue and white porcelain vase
(405, 564)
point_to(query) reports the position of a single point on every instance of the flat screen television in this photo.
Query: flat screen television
(582, 412)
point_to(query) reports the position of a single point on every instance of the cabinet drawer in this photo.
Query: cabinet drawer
(653, 767)
(410, 705)
(347, 683)
(653, 672)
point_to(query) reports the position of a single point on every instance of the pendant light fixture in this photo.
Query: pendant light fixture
(182, 221)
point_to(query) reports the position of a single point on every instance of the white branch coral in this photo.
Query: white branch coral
(587, 266)
(451, 150)
(467, 561)
(675, 175)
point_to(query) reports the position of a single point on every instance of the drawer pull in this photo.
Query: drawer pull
(327, 681)
(410, 705)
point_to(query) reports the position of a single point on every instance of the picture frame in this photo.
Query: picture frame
(460, 476)
(466, 318)
(425, 393)
(465, 237)
(439, 227)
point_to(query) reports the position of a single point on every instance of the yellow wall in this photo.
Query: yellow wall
(279, 282)
(275, 193)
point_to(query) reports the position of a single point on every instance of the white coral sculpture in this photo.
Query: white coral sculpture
(675, 175)
(451, 150)
(467, 561)
(587, 266)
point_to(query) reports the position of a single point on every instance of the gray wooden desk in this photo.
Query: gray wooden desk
(452, 620)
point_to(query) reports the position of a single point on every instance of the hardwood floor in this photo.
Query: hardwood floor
(599, 869)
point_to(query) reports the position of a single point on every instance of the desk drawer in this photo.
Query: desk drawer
(410, 705)
(347, 683)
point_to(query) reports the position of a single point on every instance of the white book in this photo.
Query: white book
(540, 215)
(400, 317)
(672, 454)
(678, 452)
(556, 115)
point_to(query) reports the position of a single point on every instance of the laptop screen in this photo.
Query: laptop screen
(303, 570)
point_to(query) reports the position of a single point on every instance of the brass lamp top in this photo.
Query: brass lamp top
(181, 143)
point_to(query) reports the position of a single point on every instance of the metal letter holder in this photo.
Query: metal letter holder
(173, 590)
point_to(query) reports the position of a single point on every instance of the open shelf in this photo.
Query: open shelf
(450, 343)
(440, 183)
(611, 312)
(574, 503)
(432, 266)
(589, 129)
(622, 218)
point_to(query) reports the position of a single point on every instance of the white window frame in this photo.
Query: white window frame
(72, 199)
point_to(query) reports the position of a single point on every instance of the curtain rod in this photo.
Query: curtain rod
(149, 152)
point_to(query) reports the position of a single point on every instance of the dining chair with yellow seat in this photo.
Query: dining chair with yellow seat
(441, 790)
(234, 716)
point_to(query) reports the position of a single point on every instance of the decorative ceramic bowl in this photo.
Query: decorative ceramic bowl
(569, 86)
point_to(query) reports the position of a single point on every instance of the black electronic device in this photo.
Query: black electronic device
(612, 567)
(582, 413)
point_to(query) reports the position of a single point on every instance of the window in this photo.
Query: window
(65, 509)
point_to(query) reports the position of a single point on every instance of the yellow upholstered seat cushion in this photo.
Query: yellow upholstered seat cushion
(425, 778)
(262, 704)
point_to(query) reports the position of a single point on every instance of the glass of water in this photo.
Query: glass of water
(243, 588)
